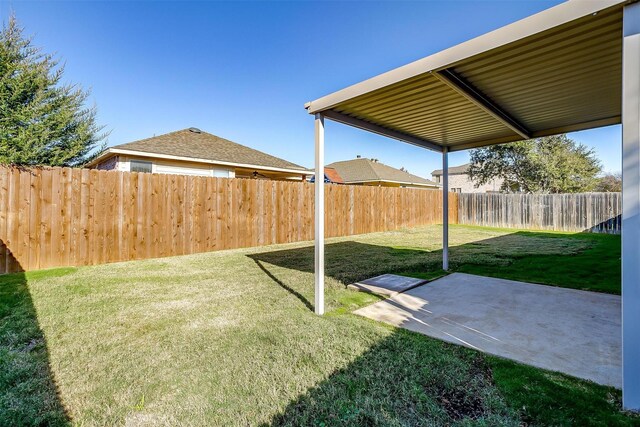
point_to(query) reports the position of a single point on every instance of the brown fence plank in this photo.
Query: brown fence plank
(74, 224)
(13, 231)
(85, 218)
(34, 219)
(23, 218)
(4, 207)
(155, 186)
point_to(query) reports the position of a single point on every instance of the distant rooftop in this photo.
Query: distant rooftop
(367, 170)
(333, 175)
(454, 170)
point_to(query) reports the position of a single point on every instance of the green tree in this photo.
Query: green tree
(553, 164)
(610, 183)
(42, 120)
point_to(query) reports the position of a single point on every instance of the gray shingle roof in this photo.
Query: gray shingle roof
(203, 145)
(358, 170)
(454, 170)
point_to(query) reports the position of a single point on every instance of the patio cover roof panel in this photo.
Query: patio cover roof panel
(428, 113)
(556, 71)
(571, 76)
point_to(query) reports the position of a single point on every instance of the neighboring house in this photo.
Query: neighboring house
(371, 172)
(194, 152)
(331, 176)
(459, 181)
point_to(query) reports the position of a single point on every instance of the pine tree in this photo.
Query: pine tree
(42, 120)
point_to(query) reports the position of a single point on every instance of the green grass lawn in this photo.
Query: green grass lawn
(229, 338)
(572, 260)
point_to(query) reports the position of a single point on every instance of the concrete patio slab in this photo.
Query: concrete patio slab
(387, 284)
(565, 330)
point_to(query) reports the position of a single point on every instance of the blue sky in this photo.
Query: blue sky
(243, 70)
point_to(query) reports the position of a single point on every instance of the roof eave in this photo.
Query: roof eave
(100, 157)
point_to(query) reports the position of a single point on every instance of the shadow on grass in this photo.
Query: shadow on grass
(28, 393)
(552, 398)
(612, 225)
(348, 261)
(405, 379)
(579, 261)
(283, 285)
(583, 261)
(410, 379)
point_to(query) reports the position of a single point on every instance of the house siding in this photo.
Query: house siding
(181, 167)
(461, 183)
(178, 167)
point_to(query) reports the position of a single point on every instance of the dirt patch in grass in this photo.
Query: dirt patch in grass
(465, 400)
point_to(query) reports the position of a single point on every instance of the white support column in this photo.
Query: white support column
(631, 208)
(319, 216)
(445, 208)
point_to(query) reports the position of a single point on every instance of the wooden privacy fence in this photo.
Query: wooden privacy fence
(52, 217)
(594, 212)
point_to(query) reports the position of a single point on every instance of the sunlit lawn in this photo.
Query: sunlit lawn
(229, 338)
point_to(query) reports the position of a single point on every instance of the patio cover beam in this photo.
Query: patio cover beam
(466, 89)
(380, 130)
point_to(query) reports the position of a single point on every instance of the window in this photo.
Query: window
(221, 173)
(140, 166)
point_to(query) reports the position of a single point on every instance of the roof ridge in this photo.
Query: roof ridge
(148, 138)
(250, 148)
(370, 164)
(404, 172)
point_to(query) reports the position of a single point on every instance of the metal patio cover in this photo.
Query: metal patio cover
(571, 67)
(553, 72)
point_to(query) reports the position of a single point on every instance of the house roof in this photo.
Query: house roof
(367, 170)
(196, 145)
(454, 170)
(333, 175)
